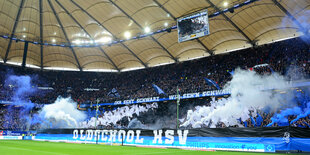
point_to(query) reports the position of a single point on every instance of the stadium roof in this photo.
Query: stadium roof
(109, 35)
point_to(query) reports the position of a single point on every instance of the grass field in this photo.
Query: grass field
(21, 147)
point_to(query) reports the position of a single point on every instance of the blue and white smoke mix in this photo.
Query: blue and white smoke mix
(62, 113)
(21, 88)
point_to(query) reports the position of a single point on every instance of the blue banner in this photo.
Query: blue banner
(172, 140)
(171, 97)
(231, 139)
(12, 133)
(181, 140)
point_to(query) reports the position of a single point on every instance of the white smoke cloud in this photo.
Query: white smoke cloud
(112, 117)
(249, 92)
(63, 113)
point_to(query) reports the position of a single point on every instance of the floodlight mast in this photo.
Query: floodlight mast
(97, 107)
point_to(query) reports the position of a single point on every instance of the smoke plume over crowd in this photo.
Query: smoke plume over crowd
(126, 112)
(62, 113)
(21, 89)
(250, 93)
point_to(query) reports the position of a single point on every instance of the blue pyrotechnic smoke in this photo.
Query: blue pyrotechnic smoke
(301, 110)
(61, 114)
(281, 118)
(303, 19)
(20, 89)
(304, 100)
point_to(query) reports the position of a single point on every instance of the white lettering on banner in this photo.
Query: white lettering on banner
(150, 99)
(117, 102)
(75, 134)
(89, 134)
(129, 101)
(103, 137)
(138, 140)
(157, 136)
(182, 139)
(169, 135)
(130, 136)
(112, 135)
(82, 136)
(191, 95)
(205, 93)
(173, 97)
(185, 95)
(121, 135)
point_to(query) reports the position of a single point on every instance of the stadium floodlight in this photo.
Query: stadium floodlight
(225, 4)
(147, 29)
(77, 41)
(105, 39)
(127, 34)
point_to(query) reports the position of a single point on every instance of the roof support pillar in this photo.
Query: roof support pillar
(86, 33)
(41, 33)
(295, 21)
(13, 31)
(233, 24)
(66, 36)
(25, 54)
(171, 56)
(109, 32)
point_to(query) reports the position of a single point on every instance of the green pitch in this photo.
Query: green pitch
(20, 147)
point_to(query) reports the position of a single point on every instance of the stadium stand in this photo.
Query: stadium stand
(207, 75)
(137, 84)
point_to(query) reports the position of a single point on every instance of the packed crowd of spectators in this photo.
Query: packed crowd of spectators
(188, 76)
(10, 119)
(263, 119)
(285, 57)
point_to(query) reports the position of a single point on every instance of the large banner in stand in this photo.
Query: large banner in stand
(169, 98)
(230, 139)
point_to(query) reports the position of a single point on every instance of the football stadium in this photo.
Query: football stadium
(135, 77)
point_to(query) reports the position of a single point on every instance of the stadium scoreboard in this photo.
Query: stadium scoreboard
(193, 26)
